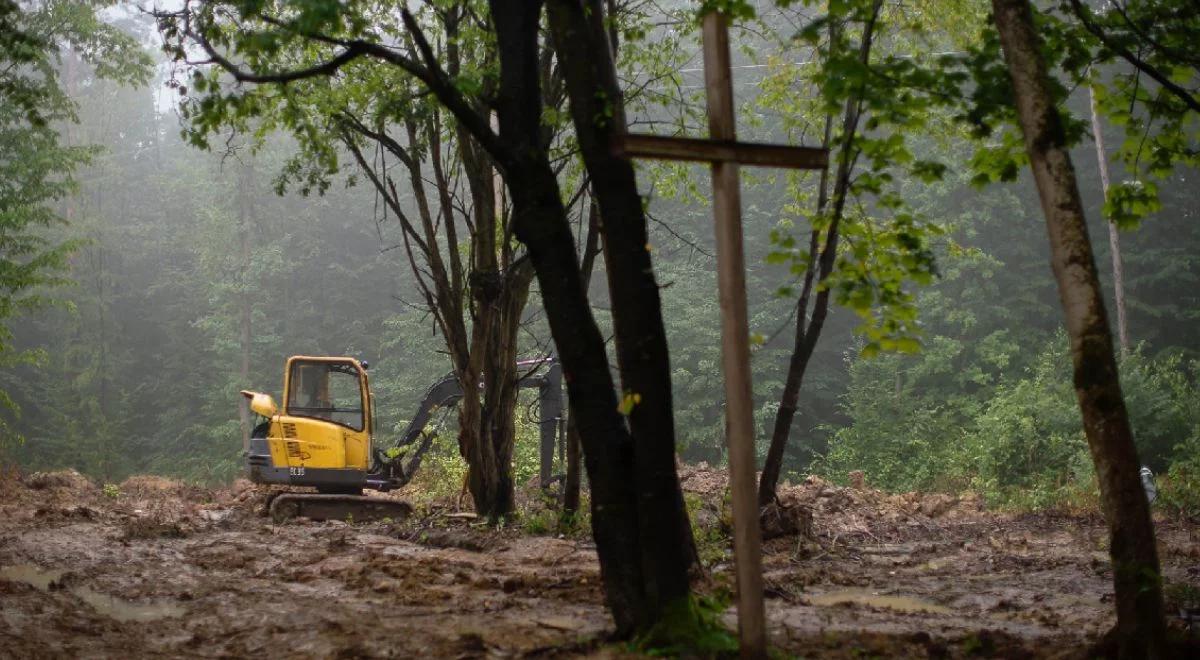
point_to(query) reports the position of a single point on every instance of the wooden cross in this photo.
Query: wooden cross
(726, 153)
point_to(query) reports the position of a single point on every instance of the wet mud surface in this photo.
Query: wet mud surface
(166, 570)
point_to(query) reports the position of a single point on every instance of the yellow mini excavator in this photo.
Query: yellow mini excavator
(324, 437)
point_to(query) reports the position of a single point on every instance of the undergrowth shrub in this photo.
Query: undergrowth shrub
(1179, 488)
(1017, 437)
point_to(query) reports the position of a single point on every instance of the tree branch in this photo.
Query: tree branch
(1085, 17)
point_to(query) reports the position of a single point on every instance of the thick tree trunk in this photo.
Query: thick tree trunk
(665, 536)
(540, 223)
(638, 585)
(1141, 631)
(501, 388)
(1114, 237)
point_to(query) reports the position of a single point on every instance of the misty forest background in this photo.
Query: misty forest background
(139, 358)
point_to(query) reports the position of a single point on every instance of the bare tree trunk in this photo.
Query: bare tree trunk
(500, 395)
(808, 329)
(1141, 630)
(244, 322)
(1114, 237)
(491, 292)
(803, 343)
(571, 482)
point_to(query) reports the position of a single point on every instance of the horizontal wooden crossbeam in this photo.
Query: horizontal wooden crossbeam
(711, 151)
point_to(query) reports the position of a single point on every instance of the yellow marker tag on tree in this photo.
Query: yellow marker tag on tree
(628, 401)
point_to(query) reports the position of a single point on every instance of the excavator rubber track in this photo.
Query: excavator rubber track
(356, 508)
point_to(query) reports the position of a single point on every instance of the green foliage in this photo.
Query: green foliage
(689, 628)
(709, 530)
(539, 522)
(1028, 441)
(1020, 444)
(862, 53)
(37, 166)
(1179, 488)
(112, 491)
(442, 473)
(1084, 47)
(577, 524)
(1159, 126)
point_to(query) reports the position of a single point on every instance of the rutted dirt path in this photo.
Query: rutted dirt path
(167, 570)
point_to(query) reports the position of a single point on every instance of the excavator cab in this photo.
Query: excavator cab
(322, 435)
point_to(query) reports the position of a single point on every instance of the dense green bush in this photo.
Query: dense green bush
(1029, 437)
(1017, 441)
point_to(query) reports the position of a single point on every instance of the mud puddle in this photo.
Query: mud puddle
(34, 576)
(868, 598)
(112, 607)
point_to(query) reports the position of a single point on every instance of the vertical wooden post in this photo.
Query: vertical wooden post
(735, 342)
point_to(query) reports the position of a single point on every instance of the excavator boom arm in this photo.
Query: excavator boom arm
(448, 391)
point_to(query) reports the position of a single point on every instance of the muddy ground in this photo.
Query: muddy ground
(158, 568)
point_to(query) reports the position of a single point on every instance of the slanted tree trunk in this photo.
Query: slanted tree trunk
(823, 245)
(1141, 630)
(638, 586)
(1114, 236)
(540, 223)
(667, 548)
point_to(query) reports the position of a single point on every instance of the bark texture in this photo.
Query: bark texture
(1141, 631)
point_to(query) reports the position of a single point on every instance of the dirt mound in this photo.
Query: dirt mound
(818, 507)
(151, 487)
(141, 507)
(782, 519)
(47, 496)
(61, 481)
(703, 479)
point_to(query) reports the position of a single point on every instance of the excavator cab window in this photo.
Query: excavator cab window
(326, 390)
